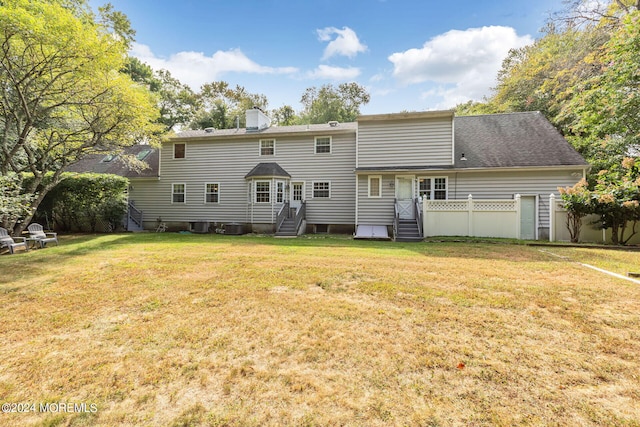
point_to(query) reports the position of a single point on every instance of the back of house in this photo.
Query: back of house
(363, 177)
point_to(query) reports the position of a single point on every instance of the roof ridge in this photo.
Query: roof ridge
(510, 113)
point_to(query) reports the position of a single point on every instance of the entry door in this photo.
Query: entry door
(297, 194)
(528, 217)
(404, 195)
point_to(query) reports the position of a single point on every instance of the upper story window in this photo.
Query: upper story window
(108, 158)
(212, 192)
(375, 186)
(142, 154)
(323, 145)
(267, 147)
(321, 190)
(179, 150)
(178, 193)
(433, 188)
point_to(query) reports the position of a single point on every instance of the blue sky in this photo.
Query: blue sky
(410, 55)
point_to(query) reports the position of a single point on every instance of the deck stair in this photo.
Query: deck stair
(288, 228)
(408, 231)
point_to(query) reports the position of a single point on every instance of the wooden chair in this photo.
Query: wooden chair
(36, 232)
(10, 242)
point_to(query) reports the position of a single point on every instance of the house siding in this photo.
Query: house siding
(424, 142)
(481, 185)
(228, 161)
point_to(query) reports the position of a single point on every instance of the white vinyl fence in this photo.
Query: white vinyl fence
(480, 218)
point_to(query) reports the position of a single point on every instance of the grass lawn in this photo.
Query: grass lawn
(187, 330)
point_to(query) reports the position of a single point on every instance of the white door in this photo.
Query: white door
(404, 196)
(297, 194)
(528, 217)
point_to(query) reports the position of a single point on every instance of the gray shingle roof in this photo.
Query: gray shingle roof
(273, 130)
(95, 163)
(267, 169)
(511, 140)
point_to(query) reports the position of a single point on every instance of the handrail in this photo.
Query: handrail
(301, 214)
(418, 212)
(396, 218)
(135, 214)
(282, 215)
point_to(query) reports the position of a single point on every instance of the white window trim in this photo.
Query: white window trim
(255, 191)
(205, 193)
(284, 191)
(433, 186)
(313, 190)
(260, 147)
(173, 154)
(315, 145)
(379, 177)
(173, 184)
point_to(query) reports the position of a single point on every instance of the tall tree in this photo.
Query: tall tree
(330, 103)
(224, 107)
(63, 95)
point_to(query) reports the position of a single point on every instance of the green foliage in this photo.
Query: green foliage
(614, 197)
(330, 103)
(14, 205)
(63, 93)
(223, 107)
(81, 202)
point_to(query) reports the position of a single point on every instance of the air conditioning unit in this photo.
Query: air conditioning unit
(200, 227)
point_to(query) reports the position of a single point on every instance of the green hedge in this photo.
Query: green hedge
(85, 202)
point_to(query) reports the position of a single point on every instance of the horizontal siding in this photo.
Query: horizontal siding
(405, 143)
(372, 210)
(227, 163)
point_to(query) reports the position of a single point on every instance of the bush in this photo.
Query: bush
(86, 202)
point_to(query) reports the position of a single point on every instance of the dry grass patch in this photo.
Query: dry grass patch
(212, 330)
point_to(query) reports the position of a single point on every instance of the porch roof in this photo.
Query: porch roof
(270, 170)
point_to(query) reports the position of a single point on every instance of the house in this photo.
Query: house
(361, 176)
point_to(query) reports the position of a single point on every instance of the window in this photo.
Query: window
(179, 151)
(141, 155)
(321, 190)
(263, 191)
(375, 186)
(297, 191)
(108, 158)
(323, 144)
(279, 192)
(178, 193)
(212, 192)
(267, 147)
(432, 188)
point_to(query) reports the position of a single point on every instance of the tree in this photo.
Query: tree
(63, 93)
(284, 116)
(607, 105)
(329, 103)
(13, 204)
(577, 202)
(223, 107)
(176, 101)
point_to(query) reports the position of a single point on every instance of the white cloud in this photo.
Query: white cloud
(464, 62)
(334, 73)
(346, 42)
(195, 68)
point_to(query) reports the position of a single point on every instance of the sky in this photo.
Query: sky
(411, 55)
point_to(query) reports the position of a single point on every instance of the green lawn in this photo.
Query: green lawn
(181, 330)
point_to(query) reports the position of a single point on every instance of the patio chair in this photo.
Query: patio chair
(36, 232)
(10, 242)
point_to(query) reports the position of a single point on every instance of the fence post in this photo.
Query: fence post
(552, 217)
(424, 217)
(470, 215)
(518, 214)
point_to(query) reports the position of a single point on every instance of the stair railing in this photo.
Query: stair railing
(135, 214)
(396, 218)
(418, 214)
(282, 215)
(301, 214)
